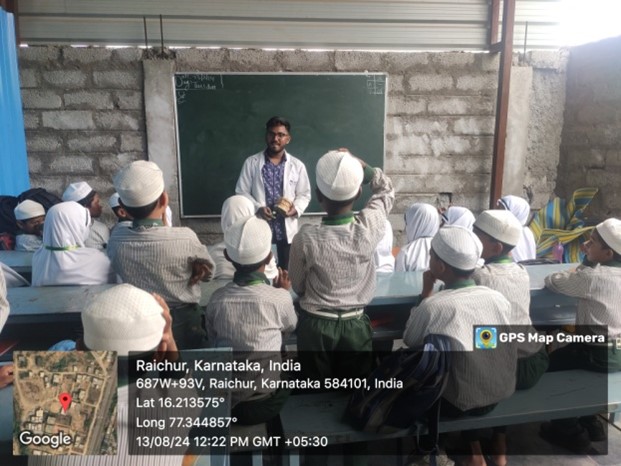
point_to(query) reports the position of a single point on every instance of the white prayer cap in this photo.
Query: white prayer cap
(77, 191)
(28, 209)
(610, 231)
(139, 184)
(123, 319)
(234, 209)
(114, 201)
(248, 241)
(501, 225)
(457, 246)
(339, 175)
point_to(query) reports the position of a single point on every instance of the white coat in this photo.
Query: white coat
(296, 186)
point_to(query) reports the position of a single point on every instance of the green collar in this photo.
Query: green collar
(250, 278)
(460, 283)
(504, 259)
(341, 219)
(62, 248)
(147, 222)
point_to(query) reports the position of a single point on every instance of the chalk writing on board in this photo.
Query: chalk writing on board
(198, 82)
(376, 84)
(180, 96)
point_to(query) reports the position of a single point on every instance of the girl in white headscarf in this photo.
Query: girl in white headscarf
(422, 221)
(382, 256)
(63, 259)
(526, 249)
(233, 209)
(459, 216)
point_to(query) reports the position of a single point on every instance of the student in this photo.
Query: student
(29, 216)
(124, 220)
(252, 316)
(499, 232)
(422, 222)
(382, 257)
(332, 269)
(168, 261)
(64, 258)
(597, 285)
(526, 249)
(478, 380)
(273, 174)
(234, 209)
(83, 194)
(459, 216)
(123, 319)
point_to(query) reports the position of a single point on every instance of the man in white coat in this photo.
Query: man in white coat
(278, 185)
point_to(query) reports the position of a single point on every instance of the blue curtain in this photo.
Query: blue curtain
(13, 160)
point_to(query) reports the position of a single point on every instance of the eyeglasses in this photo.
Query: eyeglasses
(277, 135)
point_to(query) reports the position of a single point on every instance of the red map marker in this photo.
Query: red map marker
(65, 401)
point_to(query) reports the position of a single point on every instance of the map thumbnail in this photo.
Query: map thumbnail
(65, 403)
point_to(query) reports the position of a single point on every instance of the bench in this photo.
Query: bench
(557, 395)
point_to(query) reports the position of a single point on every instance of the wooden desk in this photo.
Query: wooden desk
(19, 261)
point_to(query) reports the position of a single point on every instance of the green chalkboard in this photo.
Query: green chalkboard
(221, 121)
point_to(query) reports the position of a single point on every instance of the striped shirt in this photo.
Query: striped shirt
(98, 236)
(331, 266)
(598, 290)
(251, 318)
(513, 282)
(477, 377)
(158, 260)
(28, 243)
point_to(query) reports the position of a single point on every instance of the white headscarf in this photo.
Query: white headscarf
(233, 209)
(382, 256)
(63, 259)
(526, 249)
(422, 222)
(459, 216)
(4, 304)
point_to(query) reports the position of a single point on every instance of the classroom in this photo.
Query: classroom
(427, 91)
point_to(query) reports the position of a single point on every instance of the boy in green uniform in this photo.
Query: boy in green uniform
(597, 285)
(169, 261)
(332, 270)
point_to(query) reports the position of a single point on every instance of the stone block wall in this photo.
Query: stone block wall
(85, 117)
(591, 140)
(84, 114)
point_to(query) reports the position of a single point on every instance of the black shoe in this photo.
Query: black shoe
(575, 439)
(594, 427)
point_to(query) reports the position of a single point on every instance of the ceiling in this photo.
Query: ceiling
(308, 24)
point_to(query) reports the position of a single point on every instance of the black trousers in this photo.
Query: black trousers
(282, 250)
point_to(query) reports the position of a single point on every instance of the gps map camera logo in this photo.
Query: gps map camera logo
(485, 337)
